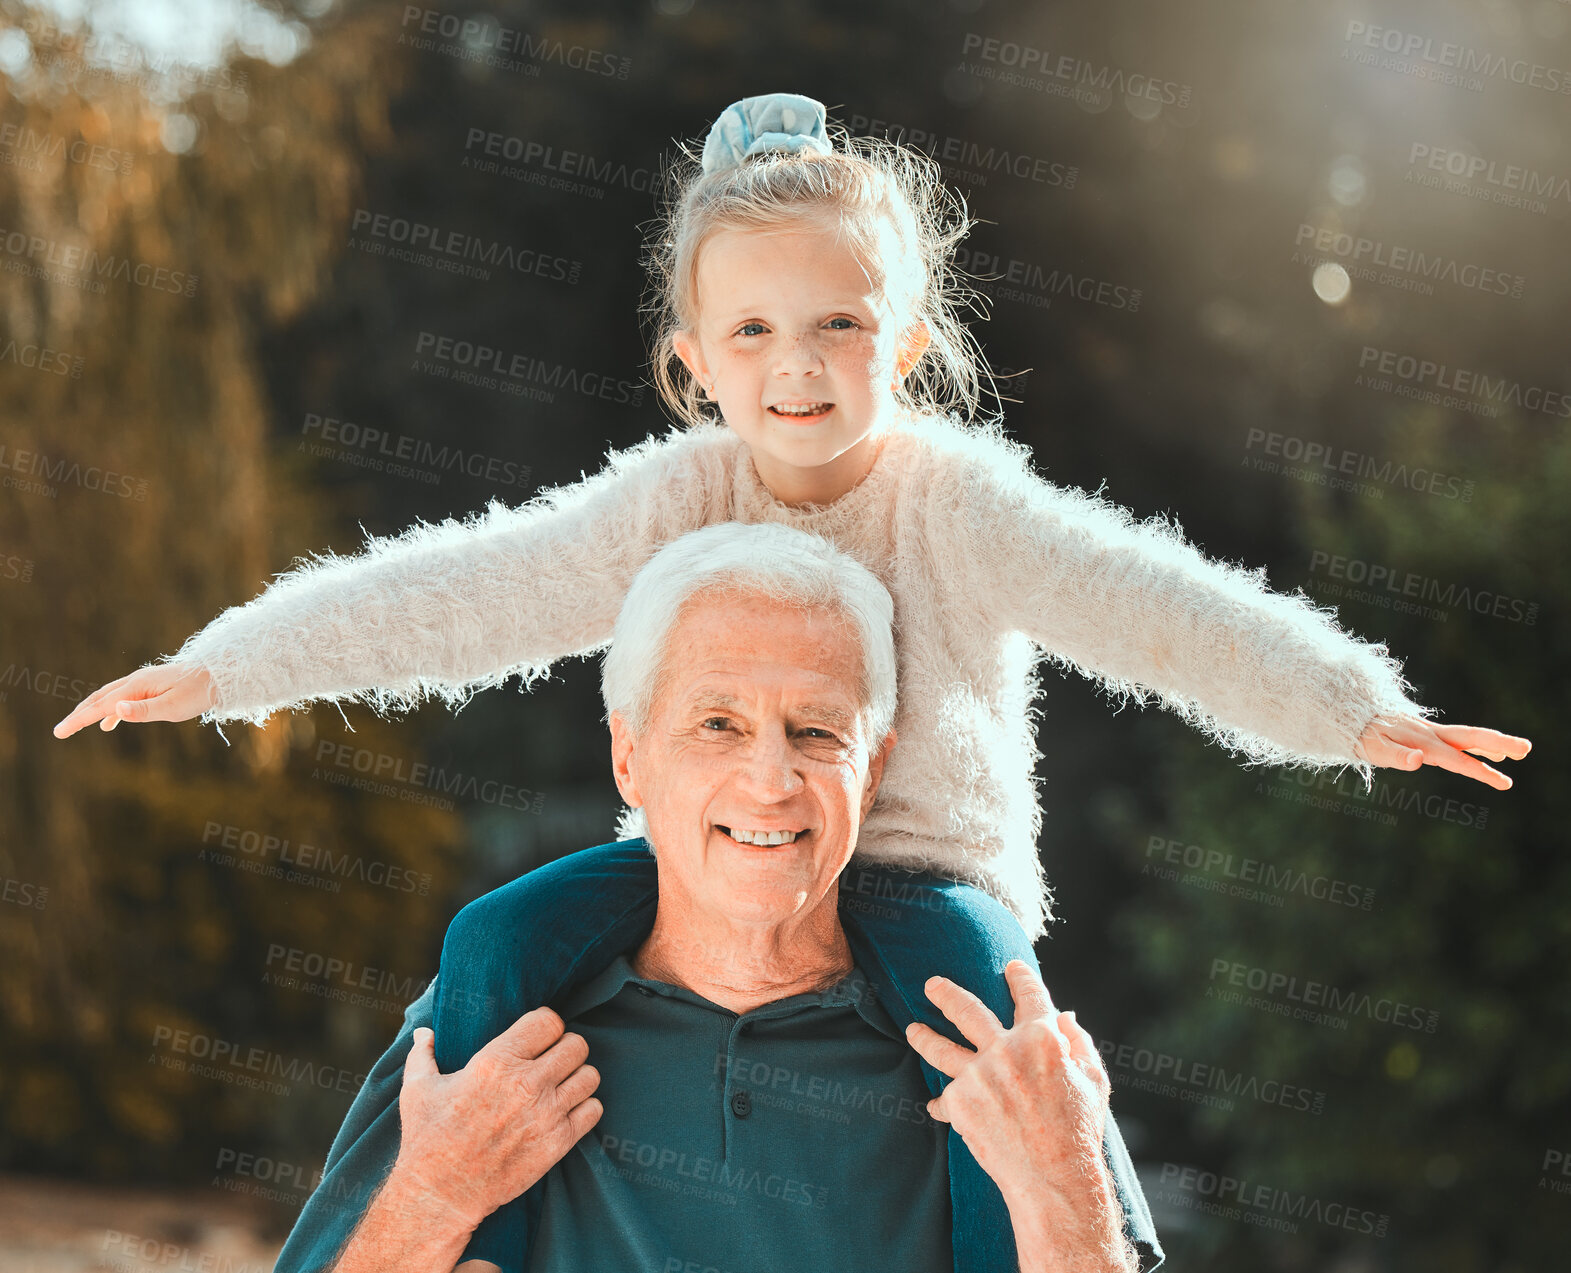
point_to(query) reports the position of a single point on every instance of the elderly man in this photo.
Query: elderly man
(750, 698)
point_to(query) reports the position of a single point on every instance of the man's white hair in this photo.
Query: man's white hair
(738, 559)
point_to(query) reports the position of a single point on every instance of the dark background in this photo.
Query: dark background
(116, 921)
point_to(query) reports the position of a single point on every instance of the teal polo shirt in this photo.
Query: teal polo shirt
(795, 1136)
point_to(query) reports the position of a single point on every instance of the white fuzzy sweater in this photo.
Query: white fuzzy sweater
(990, 567)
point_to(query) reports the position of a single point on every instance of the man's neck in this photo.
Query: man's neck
(742, 967)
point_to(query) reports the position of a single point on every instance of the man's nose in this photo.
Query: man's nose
(769, 771)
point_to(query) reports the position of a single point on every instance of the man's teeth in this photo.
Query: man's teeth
(807, 408)
(762, 837)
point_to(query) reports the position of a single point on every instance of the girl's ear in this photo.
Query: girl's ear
(913, 347)
(692, 358)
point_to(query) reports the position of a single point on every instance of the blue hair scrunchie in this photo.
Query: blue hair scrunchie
(770, 121)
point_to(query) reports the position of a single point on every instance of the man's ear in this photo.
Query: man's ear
(692, 357)
(875, 771)
(622, 767)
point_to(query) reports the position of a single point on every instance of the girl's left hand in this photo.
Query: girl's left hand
(1408, 742)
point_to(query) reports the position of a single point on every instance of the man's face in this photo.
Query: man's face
(756, 730)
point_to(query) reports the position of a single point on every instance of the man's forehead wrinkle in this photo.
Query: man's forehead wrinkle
(707, 697)
(839, 717)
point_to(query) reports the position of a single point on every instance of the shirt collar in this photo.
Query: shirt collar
(855, 989)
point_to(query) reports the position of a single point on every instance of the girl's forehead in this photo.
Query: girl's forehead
(811, 242)
(749, 269)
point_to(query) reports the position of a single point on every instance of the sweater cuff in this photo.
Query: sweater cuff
(1380, 691)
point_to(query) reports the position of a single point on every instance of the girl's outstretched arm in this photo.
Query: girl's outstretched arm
(450, 608)
(1133, 605)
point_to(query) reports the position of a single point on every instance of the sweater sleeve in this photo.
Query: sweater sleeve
(451, 608)
(1268, 676)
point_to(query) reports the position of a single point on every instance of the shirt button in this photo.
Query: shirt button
(741, 1104)
(646, 992)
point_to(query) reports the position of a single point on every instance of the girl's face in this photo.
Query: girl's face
(789, 319)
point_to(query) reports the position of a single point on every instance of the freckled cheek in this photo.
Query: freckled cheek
(861, 358)
(742, 361)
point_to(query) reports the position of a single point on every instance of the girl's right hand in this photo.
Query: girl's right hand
(164, 692)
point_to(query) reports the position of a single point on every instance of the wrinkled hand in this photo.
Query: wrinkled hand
(165, 691)
(1031, 1101)
(477, 1138)
(1409, 742)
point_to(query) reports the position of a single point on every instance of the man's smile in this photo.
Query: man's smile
(756, 838)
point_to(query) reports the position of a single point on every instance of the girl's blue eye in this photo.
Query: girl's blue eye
(742, 330)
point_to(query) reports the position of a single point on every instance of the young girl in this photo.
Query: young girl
(809, 340)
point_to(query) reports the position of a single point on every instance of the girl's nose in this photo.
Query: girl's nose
(799, 354)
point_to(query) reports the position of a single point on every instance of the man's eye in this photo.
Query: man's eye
(717, 722)
(815, 732)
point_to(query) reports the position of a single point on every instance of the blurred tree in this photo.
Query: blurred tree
(1445, 1132)
(135, 932)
